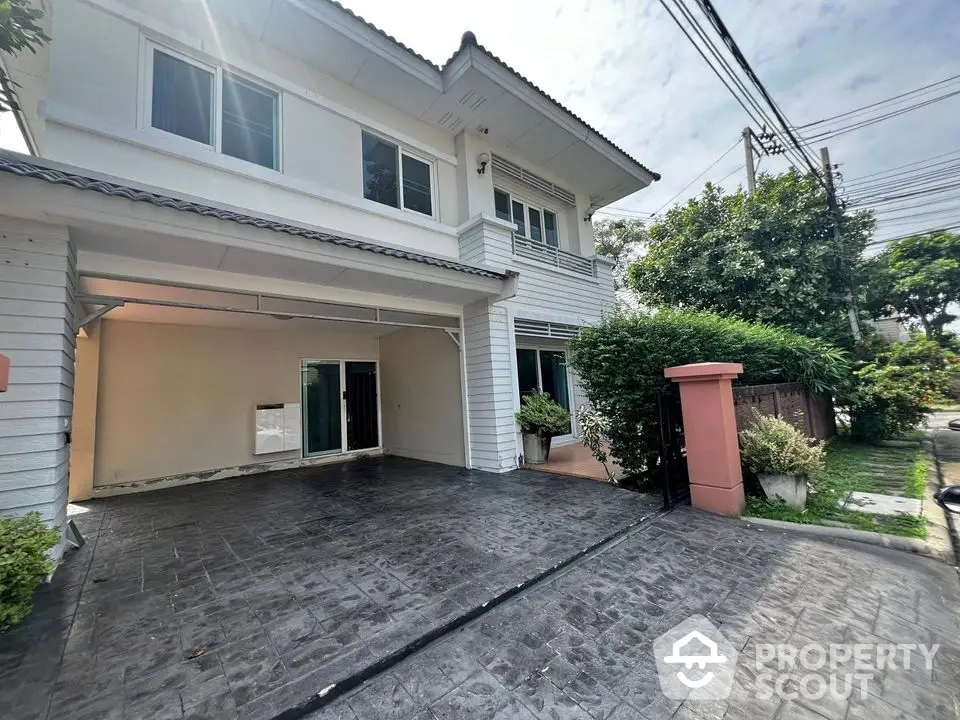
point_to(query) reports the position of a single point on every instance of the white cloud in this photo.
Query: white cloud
(625, 67)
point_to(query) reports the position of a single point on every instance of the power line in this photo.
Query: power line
(731, 76)
(731, 173)
(721, 28)
(859, 110)
(827, 134)
(708, 169)
(900, 167)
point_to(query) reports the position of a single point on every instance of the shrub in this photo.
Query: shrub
(24, 543)
(772, 446)
(540, 415)
(890, 392)
(621, 360)
(593, 435)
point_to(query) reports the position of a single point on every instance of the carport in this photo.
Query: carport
(248, 597)
(179, 383)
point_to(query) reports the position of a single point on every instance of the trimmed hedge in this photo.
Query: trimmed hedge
(621, 360)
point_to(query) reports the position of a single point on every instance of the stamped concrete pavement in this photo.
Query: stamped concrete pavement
(241, 598)
(579, 645)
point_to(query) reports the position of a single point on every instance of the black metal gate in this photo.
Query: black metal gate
(673, 451)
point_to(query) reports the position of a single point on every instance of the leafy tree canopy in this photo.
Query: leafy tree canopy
(19, 31)
(918, 278)
(621, 241)
(771, 257)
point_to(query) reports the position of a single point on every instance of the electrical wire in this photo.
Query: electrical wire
(713, 16)
(689, 184)
(860, 110)
(828, 134)
(900, 167)
(755, 109)
(742, 167)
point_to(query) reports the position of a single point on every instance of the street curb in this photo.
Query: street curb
(892, 542)
(335, 690)
(951, 521)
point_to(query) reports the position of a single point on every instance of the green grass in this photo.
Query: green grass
(917, 479)
(852, 467)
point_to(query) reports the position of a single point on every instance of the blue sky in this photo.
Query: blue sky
(625, 67)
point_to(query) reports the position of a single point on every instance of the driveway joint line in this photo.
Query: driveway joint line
(336, 690)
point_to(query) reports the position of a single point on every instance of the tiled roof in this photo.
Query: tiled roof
(470, 39)
(17, 165)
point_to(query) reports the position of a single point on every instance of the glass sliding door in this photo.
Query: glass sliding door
(322, 403)
(546, 371)
(363, 424)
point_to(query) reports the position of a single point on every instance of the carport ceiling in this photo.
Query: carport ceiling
(192, 305)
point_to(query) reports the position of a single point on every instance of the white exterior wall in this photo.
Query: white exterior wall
(177, 400)
(491, 386)
(37, 287)
(420, 396)
(94, 116)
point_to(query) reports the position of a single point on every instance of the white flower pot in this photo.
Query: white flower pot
(536, 449)
(792, 489)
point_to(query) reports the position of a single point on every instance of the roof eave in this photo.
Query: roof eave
(472, 54)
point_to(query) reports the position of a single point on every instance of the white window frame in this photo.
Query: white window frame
(527, 206)
(570, 396)
(217, 69)
(402, 150)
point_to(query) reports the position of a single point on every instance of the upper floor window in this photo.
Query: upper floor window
(215, 107)
(532, 222)
(392, 176)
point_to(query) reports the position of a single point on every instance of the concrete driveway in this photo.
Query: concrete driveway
(579, 645)
(245, 597)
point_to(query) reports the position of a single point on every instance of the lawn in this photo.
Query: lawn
(853, 467)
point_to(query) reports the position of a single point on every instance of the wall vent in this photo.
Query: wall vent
(535, 181)
(540, 329)
(451, 122)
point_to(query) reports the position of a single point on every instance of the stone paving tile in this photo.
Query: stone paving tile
(241, 598)
(546, 654)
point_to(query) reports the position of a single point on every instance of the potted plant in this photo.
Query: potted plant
(540, 418)
(782, 458)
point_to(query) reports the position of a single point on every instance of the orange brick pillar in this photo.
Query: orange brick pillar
(710, 431)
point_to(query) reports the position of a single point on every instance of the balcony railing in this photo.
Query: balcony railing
(553, 256)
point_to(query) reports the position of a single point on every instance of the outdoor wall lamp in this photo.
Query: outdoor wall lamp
(484, 160)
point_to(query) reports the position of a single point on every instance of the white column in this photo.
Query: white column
(490, 387)
(37, 288)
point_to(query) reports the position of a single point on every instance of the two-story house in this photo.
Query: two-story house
(258, 234)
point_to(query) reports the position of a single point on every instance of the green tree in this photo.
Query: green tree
(19, 31)
(621, 241)
(918, 278)
(769, 257)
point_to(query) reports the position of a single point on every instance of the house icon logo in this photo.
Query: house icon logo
(695, 661)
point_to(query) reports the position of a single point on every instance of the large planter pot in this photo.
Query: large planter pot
(536, 449)
(792, 489)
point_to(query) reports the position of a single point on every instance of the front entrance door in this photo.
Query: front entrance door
(321, 407)
(339, 406)
(363, 426)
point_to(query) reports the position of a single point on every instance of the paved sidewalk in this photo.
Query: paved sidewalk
(579, 646)
(241, 598)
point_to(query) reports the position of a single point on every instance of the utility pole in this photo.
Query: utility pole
(748, 156)
(835, 208)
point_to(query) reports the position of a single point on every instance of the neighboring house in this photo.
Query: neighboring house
(265, 234)
(891, 328)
